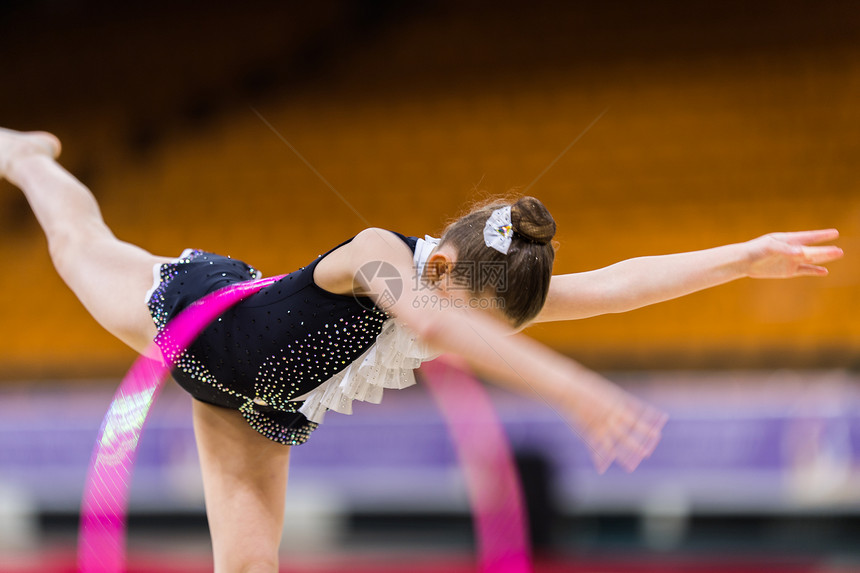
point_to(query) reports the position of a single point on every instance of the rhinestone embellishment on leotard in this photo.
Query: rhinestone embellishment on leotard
(316, 357)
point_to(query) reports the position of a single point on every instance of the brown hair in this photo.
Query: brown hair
(519, 278)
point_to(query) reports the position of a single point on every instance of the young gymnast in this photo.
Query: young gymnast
(359, 319)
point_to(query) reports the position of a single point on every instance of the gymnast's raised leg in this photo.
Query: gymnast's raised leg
(244, 474)
(109, 277)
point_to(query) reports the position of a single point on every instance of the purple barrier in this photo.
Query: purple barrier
(748, 452)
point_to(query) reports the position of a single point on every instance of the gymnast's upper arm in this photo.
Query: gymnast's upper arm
(574, 296)
(338, 271)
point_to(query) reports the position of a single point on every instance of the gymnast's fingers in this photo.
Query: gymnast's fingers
(807, 237)
(818, 255)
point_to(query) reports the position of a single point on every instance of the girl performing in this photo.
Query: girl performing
(360, 318)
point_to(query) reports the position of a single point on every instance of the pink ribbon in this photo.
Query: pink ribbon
(477, 434)
(101, 543)
(495, 493)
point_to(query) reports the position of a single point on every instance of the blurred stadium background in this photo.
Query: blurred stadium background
(723, 121)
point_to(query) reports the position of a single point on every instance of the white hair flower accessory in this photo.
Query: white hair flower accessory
(498, 230)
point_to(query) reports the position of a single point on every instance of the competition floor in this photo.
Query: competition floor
(62, 561)
(429, 550)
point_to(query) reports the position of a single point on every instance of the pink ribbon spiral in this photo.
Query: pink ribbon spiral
(477, 434)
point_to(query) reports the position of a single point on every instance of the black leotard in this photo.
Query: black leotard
(276, 345)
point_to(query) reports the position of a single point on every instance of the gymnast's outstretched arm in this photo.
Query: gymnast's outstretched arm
(642, 281)
(615, 425)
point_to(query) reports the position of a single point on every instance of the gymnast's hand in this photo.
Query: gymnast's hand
(616, 426)
(787, 255)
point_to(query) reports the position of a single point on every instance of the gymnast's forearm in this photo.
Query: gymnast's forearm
(641, 281)
(614, 424)
(517, 363)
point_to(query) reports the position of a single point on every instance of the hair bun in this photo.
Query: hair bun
(532, 221)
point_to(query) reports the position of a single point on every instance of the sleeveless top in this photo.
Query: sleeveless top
(290, 352)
